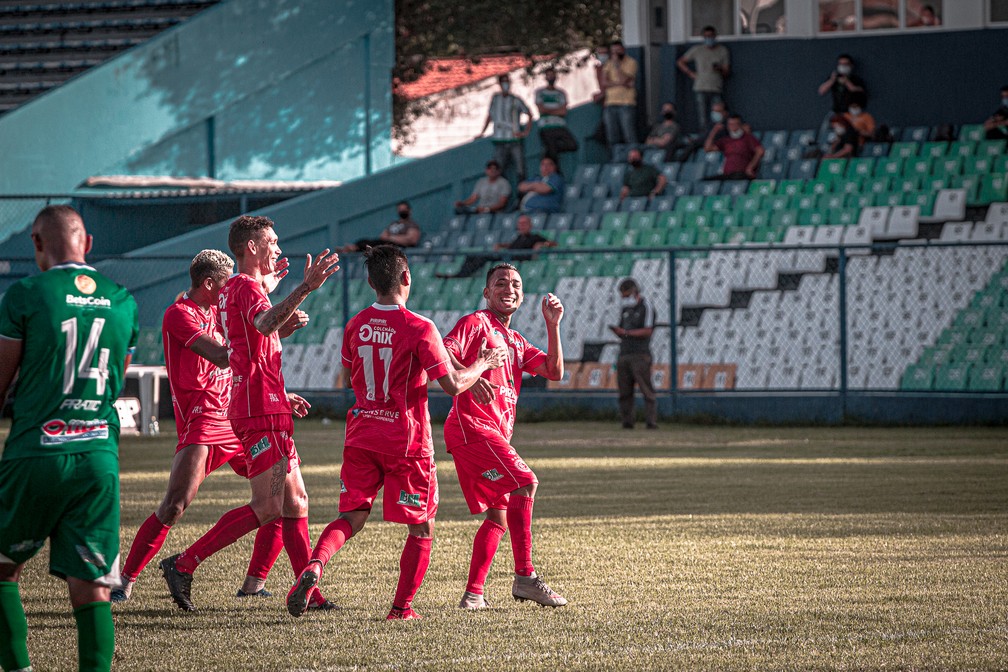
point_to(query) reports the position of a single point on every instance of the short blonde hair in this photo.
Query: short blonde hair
(210, 264)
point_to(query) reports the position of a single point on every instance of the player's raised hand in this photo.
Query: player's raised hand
(273, 279)
(298, 320)
(299, 405)
(552, 309)
(483, 391)
(317, 271)
(494, 357)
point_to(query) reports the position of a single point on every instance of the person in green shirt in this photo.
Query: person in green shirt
(640, 178)
(68, 334)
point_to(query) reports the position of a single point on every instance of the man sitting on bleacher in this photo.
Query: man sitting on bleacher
(742, 151)
(641, 179)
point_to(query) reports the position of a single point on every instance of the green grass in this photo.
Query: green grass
(686, 548)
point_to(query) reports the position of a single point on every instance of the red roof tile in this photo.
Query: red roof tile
(444, 74)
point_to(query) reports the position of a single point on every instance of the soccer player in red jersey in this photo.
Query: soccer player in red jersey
(261, 409)
(390, 353)
(200, 380)
(478, 431)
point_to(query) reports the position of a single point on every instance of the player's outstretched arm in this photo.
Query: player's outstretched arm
(211, 350)
(553, 367)
(483, 390)
(11, 350)
(458, 381)
(315, 274)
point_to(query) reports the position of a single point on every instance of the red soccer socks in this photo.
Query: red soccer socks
(412, 567)
(488, 538)
(519, 520)
(149, 540)
(231, 527)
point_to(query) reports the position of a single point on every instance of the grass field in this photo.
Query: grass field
(712, 548)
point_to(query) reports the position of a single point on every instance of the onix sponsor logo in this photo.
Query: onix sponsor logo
(57, 431)
(88, 301)
(376, 334)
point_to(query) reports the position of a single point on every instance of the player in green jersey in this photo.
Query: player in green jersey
(70, 331)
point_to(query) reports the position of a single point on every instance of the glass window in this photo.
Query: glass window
(837, 15)
(717, 13)
(762, 16)
(876, 14)
(998, 10)
(923, 13)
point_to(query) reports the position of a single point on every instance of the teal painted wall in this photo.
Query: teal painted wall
(294, 90)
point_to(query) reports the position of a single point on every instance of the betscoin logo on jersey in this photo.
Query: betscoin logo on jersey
(56, 431)
(259, 448)
(376, 333)
(492, 475)
(81, 404)
(410, 499)
(88, 301)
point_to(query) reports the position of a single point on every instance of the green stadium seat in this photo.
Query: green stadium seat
(949, 165)
(669, 219)
(968, 353)
(977, 165)
(812, 217)
(762, 187)
(573, 238)
(749, 202)
(925, 199)
(971, 132)
(971, 318)
(682, 236)
(829, 201)
(700, 218)
(625, 238)
(880, 184)
(831, 168)
(821, 185)
(891, 166)
(952, 378)
(971, 183)
(720, 203)
(600, 238)
(784, 218)
(937, 183)
(1000, 164)
(804, 201)
(768, 234)
(689, 204)
(858, 201)
(963, 148)
(904, 184)
(852, 185)
(990, 147)
(993, 189)
(918, 166)
(933, 149)
(790, 187)
(952, 337)
(903, 150)
(917, 377)
(708, 236)
(890, 199)
(653, 237)
(777, 202)
(986, 378)
(936, 355)
(861, 167)
(729, 219)
(755, 218)
(738, 235)
(615, 221)
(996, 317)
(642, 220)
(997, 354)
(844, 216)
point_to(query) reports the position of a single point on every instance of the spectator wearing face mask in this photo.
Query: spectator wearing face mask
(996, 126)
(845, 139)
(742, 151)
(403, 232)
(665, 134)
(641, 179)
(619, 83)
(860, 119)
(552, 104)
(711, 66)
(511, 121)
(842, 84)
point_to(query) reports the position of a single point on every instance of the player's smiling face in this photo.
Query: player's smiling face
(504, 292)
(267, 251)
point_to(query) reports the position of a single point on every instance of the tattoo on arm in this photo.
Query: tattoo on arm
(269, 321)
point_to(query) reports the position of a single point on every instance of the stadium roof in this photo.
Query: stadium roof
(155, 186)
(445, 74)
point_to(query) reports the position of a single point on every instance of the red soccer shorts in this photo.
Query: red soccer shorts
(488, 471)
(267, 439)
(217, 435)
(411, 488)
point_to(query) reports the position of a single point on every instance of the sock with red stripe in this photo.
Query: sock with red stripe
(149, 540)
(488, 538)
(519, 520)
(331, 540)
(266, 550)
(231, 527)
(412, 568)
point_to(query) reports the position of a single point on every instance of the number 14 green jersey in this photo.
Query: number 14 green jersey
(76, 327)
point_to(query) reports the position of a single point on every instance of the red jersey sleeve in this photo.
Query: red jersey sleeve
(183, 324)
(431, 351)
(533, 356)
(250, 302)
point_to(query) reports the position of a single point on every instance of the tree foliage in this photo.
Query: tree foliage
(428, 29)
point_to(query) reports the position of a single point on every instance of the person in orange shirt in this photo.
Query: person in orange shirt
(860, 119)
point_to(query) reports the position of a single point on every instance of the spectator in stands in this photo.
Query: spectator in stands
(711, 66)
(633, 367)
(862, 121)
(665, 134)
(845, 139)
(403, 232)
(619, 111)
(842, 84)
(641, 179)
(552, 104)
(996, 126)
(509, 130)
(525, 240)
(926, 17)
(544, 193)
(491, 193)
(742, 151)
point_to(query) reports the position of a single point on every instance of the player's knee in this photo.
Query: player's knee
(267, 511)
(170, 512)
(422, 530)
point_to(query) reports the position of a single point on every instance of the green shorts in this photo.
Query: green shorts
(72, 500)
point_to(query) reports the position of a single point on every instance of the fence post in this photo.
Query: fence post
(673, 336)
(842, 300)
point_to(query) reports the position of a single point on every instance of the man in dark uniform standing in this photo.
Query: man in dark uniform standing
(634, 364)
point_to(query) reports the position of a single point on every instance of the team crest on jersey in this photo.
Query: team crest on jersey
(410, 499)
(492, 475)
(85, 284)
(56, 431)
